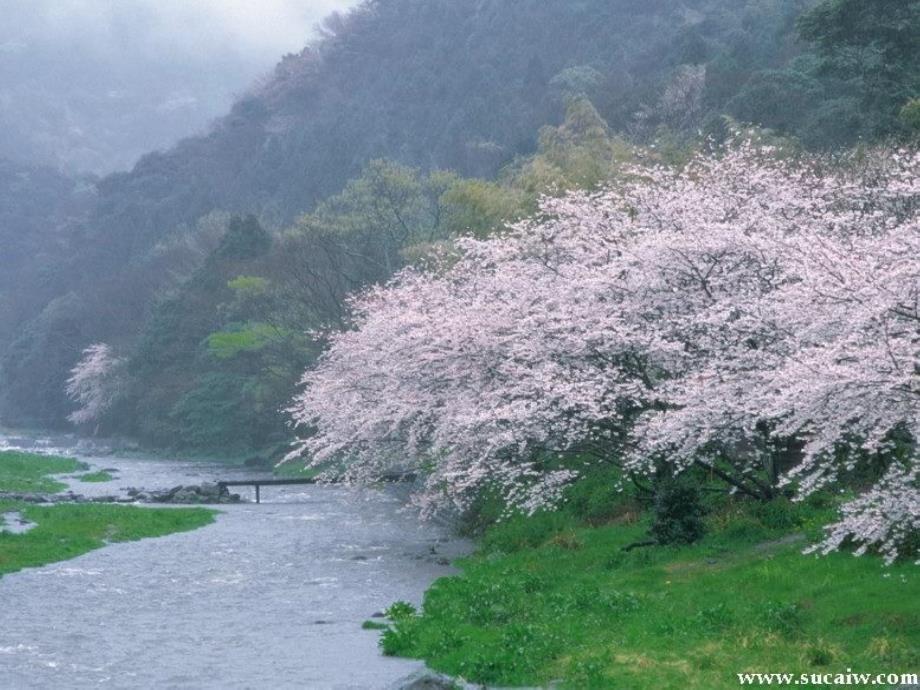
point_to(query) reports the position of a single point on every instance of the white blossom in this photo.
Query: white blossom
(94, 383)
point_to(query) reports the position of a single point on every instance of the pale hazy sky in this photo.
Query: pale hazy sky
(265, 28)
(92, 84)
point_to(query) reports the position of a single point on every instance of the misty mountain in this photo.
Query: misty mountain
(464, 85)
(91, 86)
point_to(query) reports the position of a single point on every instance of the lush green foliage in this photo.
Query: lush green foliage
(548, 598)
(868, 59)
(221, 357)
(68, 531)
(213, 364)
(28, 473)
(910, 116)
(863, 70)
(678, 512)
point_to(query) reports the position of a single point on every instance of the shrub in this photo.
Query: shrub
(398, 640)
(678, 512)
(400, 610)
(910, 115)
(779, 514)
(597, 499)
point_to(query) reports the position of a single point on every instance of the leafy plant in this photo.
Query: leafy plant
(677, 512)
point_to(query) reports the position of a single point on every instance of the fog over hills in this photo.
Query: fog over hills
(91, 85)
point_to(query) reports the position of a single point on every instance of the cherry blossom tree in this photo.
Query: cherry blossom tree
(94, 383)
(825, 348)
(693, 316)
(508, 352)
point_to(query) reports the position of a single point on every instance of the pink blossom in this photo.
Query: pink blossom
(690, 308)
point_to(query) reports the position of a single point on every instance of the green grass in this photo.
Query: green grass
(70, 530)
(96, 477)
(547, 599)
(27, 473)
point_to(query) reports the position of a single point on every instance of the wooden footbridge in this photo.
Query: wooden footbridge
(259, 483)
(394, 477)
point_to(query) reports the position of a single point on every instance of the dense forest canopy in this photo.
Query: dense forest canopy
(513, 98)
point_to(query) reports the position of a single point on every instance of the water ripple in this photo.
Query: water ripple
(270, 596)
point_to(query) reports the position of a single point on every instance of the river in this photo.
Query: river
(270, 596)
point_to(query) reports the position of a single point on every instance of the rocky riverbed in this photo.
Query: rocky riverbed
(202, 494)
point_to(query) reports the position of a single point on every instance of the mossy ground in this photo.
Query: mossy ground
(548, 598)
(69, 530)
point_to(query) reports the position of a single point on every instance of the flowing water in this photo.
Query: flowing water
(270, 596)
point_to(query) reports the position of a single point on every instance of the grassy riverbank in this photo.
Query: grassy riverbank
(29, 473)
(65, 531)
(552, 598)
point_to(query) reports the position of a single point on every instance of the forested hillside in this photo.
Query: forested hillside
(514, 98)
(40, 213)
